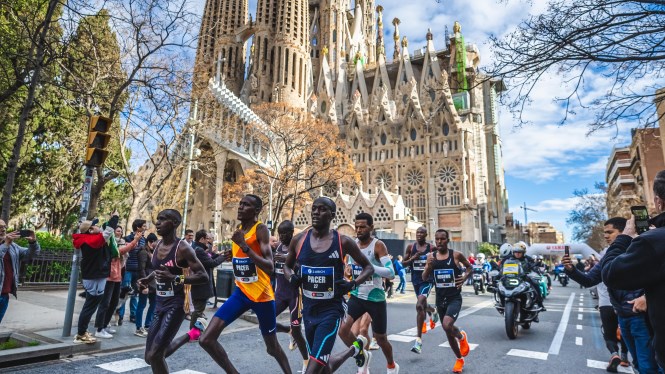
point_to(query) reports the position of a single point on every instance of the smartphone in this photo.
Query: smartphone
(641, 218)
(566, 250)
(25, 233)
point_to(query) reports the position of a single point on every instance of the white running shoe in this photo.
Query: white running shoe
(292, 344)
(394, 370)
(365, 368)
(103, 334)
(110, 330)
(373, 346)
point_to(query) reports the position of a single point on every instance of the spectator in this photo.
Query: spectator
(202, 292)
(212, 250)
(12, 255)
(112, 288)
(189, 236)
(132, 270)
(95, 268)
(637, 261)
(399, 269)
(147, 295)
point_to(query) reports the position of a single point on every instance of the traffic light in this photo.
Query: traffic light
(98, 140)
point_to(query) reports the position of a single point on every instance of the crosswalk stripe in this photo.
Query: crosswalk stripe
(603, 365)
(579, 327)
(578, 340)
(401, 338)
(472, 346)
(124, 365)
(187, 371)
(528, 354)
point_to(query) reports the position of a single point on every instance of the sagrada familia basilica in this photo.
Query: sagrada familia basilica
(421, 124)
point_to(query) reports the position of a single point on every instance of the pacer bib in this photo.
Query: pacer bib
(164, 289)
(244, 270)
(444, 278)
(279, 267)
(318, 283)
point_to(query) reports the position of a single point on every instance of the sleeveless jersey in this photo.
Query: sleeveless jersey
(283, 288)
(251, 280)
(445, 272)
(319, 272)
(371, 289)
(168, 294)
(418, 264)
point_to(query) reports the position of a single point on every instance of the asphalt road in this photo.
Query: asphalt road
(567, 339)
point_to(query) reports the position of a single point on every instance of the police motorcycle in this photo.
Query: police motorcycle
(515, 297)
(562, 275)
(478, 279)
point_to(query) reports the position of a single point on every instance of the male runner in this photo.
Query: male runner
(369, 297)
(445, 264)
(170, 257)
(416, 258)
(252, 266)
(286, 295)
(320, 256)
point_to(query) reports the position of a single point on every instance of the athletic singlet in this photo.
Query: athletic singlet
(251, 280)
(282, 286)
(371, 289)
(418, 264)
(320, 271)
(168, 294)
(445, 272)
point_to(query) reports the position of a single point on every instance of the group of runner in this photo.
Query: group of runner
(310, 271)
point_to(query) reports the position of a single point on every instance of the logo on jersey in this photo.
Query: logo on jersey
(334, 255)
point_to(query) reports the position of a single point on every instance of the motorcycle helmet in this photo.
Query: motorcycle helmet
(481, 257)
(521, 244)
(506, 249)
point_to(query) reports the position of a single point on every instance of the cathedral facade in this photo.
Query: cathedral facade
(421, 126)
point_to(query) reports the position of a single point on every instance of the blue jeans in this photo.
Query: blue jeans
(151, 310)
(143, 299)
(402, 282)
(4, 303)
(636, 334)
(129, 280)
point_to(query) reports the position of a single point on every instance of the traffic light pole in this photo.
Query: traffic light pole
(74, 278)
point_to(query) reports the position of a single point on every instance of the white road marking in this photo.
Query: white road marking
(187, 371)
(603, 365)
(581, 304)
(124, 365)
(578, 341)
(401, 338)
(475, 308)
(528, 354)
(561, 330)
(581, 310)
(579, 317)
(472, 346)
(579, 327)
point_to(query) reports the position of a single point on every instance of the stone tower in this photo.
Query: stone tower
(329, 24)
(221, 20)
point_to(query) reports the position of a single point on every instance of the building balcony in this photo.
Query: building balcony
(616, 165)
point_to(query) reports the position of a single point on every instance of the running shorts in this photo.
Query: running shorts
(294, 303)
(422, 288)
(320, 333)
(377, 310)
(238, 304)
(449, 307)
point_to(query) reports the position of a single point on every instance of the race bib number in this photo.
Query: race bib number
(244, 270)
(164, 289)
(356, 270)
(444, 278)
(419, 263)
(279, 267)
(318, 283)
(511, 269)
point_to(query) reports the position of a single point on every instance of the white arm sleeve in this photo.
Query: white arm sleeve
(387, 271)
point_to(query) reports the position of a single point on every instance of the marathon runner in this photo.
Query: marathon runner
(287, 296)
(445, 264)
(369, 297)
(171, 256)
(319, 253)
(416, 258)
(252, 266)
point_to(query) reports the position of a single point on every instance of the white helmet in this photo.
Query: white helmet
(521, 245)
(481, 257)
(506, 250)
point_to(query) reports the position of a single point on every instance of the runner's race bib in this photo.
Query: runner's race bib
(279, 267)
(419, 263)
(164, 289)
(444, 278)
(318, 283)
(244, 270)
(356, 270)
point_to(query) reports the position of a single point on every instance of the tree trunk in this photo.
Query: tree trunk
(12, 166)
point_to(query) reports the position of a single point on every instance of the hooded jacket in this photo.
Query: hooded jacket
(95, 252)
(640, 263)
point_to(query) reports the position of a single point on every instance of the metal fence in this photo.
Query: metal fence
(48, 268)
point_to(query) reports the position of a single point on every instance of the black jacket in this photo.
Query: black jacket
(95, 252)
(640, 263)
(204, 291)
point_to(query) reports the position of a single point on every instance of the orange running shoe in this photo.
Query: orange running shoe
(432, 324)
(463, 345)
(618, 334)
(424, 330)
(459, 365)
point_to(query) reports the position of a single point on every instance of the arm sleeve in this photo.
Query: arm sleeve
(637, 268)
(589, 279)
(127, 247)
(385, 271)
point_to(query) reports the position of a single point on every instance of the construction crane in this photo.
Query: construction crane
(526, 221)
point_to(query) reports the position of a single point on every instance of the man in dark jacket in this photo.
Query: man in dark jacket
(11, 256)
(634, 262)
(132, 269)
(95, 268)
(202, 292)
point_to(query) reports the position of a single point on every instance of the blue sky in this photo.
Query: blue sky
(544, 162)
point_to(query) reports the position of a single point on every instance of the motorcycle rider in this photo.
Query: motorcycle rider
(529, 265)
(480, 260)
(544, 269)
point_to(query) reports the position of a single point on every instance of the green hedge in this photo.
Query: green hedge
(49, 242)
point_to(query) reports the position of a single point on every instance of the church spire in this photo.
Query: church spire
(380, 47)
(396, 23)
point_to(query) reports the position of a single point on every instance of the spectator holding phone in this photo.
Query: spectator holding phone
(12, 254)
(638, 261)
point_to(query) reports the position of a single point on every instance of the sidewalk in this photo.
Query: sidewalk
(43, 313)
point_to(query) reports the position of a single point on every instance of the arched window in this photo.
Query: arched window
(447, 190)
